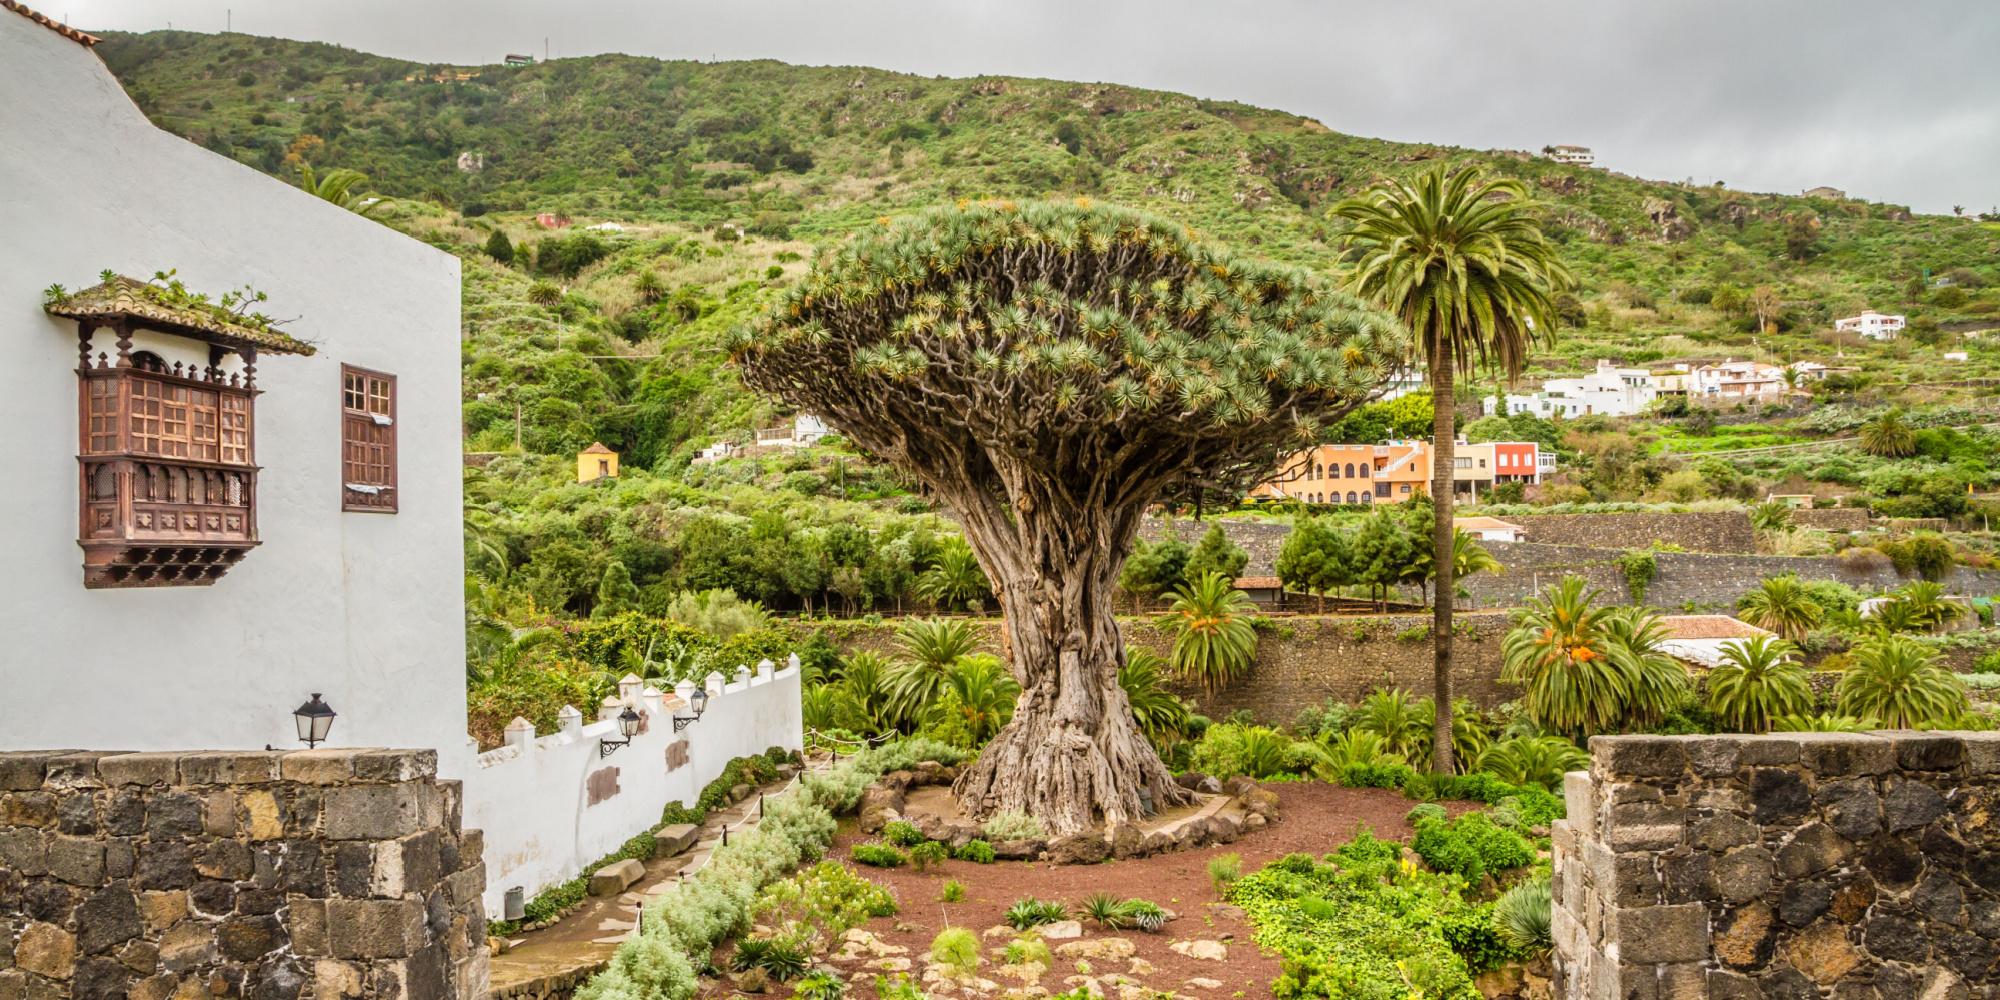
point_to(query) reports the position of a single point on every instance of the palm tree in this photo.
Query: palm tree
(1533, 760)
(1772, 515)
(1214, 640)
(1459, 260)
(862, 701)
(544, 293)
(1783, 605)
(1897, 681)
(1657, 682)
(1396, 717)
(1888, 436)
(1758, 683)
(1161, 714)
(1586, 669)
(979, 695)
(931, 648)
(1928, 607)
(337, 186)
(955, 581)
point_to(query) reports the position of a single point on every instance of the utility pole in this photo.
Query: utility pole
(228, 20)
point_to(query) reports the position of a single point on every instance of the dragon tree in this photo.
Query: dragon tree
(1049, 371)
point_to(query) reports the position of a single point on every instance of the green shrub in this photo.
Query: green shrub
(1224, 870)
(1522, 915)
(1425, 811)
(928, 853)
(978, 852)
(903, 834)
(1471, 846)
(1029, 948)
(957, 948)
(953, 891)
(821, 985)
(879, 855)
(1012, 826)
(1031, 912)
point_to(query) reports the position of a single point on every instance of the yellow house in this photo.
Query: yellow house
(596, 462)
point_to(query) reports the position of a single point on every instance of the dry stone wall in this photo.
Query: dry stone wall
(300, 875)
(1836, 866)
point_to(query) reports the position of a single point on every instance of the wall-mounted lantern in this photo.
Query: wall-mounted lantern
(628, 724)
(697, 700)
(314, 718)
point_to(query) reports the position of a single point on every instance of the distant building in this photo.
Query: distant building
(551, 220)
(596, 462)
(1823, 192)
(1733, 378)
(1578, 156)
(716, 452)
(1610, 390)
(1800, 501)
(1872, 325)
(470, 162)
(1701, 640)
(1402, 382)
(605, 227)
(1673, 381)
(1394, 471)
(1488, 529)
(514, 59)
(1263, 591)
(804, 429)
(1956, 356)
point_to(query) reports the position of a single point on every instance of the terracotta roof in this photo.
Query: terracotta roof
(1483, 523)
(125, 298)
(1259, 583)
(597, 448)
(1708, 627)
(51, 23)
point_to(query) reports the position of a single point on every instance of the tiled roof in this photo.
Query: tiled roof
(50, 23)
(1708, 627)
(124, 298)
(1483, 523)
(1259, 583)
(598, 448)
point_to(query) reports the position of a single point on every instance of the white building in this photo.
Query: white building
(1732, 378)
(1401, 382)
(1488, 529)
(1579, 156)
(804, 429)
(1871, 325)
(1702, 639)
(246, 550)
(1609, 390)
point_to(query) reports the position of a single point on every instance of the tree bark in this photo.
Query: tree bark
(1072, 756)
(1443, 455)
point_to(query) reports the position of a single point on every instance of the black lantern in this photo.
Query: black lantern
(697, 700)
(628, 724)
(314, 718)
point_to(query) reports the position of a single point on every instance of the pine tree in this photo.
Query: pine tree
(1316, 558)
(500, 248)
(1215, 553)
(1049, 372)
(616, 593)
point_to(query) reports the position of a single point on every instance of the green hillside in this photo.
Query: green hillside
(683, 154)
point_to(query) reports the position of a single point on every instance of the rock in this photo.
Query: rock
(1209, 786)
(1106, 949)
(1224, 828)
(1911, 804)
(1504, 981)
(1204, 983)
(998, 931)
(1745, 940)
(1190, 780)
(1140, 967)
(1079, 849)
(751, 980)
(1240, 785)
(1127, 841)
(1027, 973)
(1254, 821)
(891, 964)
(929, 772)
(1061, 930)
(47, 950)
(1201, 948)
(738, 793)
(1019, 850)
(1261, 802)
(880, 805)
(613, 879)
(671, 840)
(1823, 953)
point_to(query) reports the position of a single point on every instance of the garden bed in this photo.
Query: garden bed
(1319, 817)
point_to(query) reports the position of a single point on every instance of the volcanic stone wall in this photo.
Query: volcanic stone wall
(268, 876)
(1800, 865)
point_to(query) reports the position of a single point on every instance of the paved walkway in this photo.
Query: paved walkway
(554, 961)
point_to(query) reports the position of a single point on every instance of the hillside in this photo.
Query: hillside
(795, 155)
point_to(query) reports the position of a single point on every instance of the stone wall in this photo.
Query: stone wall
(1706, 531)
(1304, 659)
(1706, 580)
(1799, 865)
(277, 875)
(1832, 518)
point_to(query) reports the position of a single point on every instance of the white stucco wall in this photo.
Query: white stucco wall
(534, 802)
(363, 607)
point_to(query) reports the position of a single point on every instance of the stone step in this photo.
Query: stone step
(613, 879)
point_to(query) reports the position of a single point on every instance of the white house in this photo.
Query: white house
(1400, 383)
(804, 429)
(1732, 378)
(1609, 390)
(1872, 325)
(1702, 639)
(1580, 156)
(1488, 529)
(198, 559)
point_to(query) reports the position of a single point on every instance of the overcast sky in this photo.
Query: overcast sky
(1893, 100)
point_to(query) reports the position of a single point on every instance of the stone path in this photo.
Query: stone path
(555, 960)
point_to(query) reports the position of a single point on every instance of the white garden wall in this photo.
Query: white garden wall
(551, 805)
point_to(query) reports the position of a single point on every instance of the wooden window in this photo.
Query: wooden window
(367, 440)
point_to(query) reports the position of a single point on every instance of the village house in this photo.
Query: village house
(1401, 382)
(596, 462)
(1700, 640)
(1576, 156)
(1488, 529)
(805, 429)
(1871, 325)
(1823, 192)
(1609, 391)
(1394, 471)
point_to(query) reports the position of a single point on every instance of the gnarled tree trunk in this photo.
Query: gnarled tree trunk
(1072, 756)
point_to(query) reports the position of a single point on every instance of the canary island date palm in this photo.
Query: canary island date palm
(1214, 640)
(1462, 262)
(1048, 371)
(1898, 682)
(1783, 605)
(1587, 669)
(1757, 683)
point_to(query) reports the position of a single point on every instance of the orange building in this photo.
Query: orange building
(1391, 472)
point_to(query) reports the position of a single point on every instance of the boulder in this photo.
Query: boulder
(1158, 842)
(738, 793)
(1223, 828)
(1209, 786)
(1254, 821)
(1190, 780)
(928, 772)
(1261, 802)
(1061, 930)
(1202, 949)
(1019, 850)
(1079, 849)
(751, 980)
(880, 806)
(613, 879)
(671, 840)
(1127, 841)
